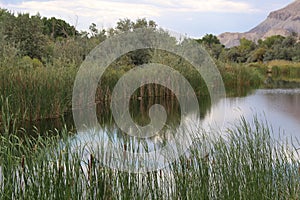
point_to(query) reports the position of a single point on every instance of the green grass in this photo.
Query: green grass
(42, 92)
(245, 163)
(240, 79)
(281, 69)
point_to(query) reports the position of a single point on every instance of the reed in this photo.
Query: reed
(42, 92)
(239, 79)
(244, 163)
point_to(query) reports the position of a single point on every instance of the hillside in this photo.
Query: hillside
(283, 22)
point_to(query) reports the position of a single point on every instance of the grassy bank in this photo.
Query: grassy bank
(248, 164)
(281, 69)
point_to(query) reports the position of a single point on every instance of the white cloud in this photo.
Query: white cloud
(108, 12)
(225, 6)
(87, 11)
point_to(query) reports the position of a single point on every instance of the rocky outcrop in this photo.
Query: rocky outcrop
(281, 22)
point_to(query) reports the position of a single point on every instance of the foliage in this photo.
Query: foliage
(212, 44)
(272, 48)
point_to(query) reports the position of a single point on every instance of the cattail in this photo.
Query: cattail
(23, 162)
(35, 147)
(124, 151)
(206, 158)
(90, 166)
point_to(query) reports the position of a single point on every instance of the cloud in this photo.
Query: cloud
(86, 11)
(225, 6)
(81, 13)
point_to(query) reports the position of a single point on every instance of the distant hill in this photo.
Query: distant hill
(285, 22)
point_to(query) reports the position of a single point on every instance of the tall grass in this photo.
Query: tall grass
(285, 70)
(243, 163)
(239, 79)
(281, 69)
(41, 92)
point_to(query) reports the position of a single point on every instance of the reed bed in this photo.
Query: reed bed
(42, 92)
(45, 91)
(240, 79)
(280, 69)
(37, 93)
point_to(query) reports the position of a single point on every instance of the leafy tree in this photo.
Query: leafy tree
(288, 41)
(272, 40)
(212, 45)
(233, 54)
(97, 35)
(257, 55)
(296, 52)
(245, 49)
(208, 40)
(141, 56)
(124, 25)
(58, 28)
(28, 33)
(93, 29)
(246, 45)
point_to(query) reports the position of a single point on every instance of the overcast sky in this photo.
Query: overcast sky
(191, 17)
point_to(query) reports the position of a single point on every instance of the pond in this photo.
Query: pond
(279, 108)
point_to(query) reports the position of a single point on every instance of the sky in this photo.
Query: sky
(193, 18)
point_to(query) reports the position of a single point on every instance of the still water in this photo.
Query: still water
(279, 108)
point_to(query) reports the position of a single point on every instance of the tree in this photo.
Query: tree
(124, 25)
(257, 55)
(212, 45)
(208, 40)
(272, 40)
(58, 28)
(246, 45)
(28, 33)
(289, 41)
(97, 35)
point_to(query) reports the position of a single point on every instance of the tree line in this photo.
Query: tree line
(33, 40)
(274, 47)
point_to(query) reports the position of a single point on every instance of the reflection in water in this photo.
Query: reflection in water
(118, 150)
(284, 101)
(138, 109)
(280, 108)
(146, 154)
